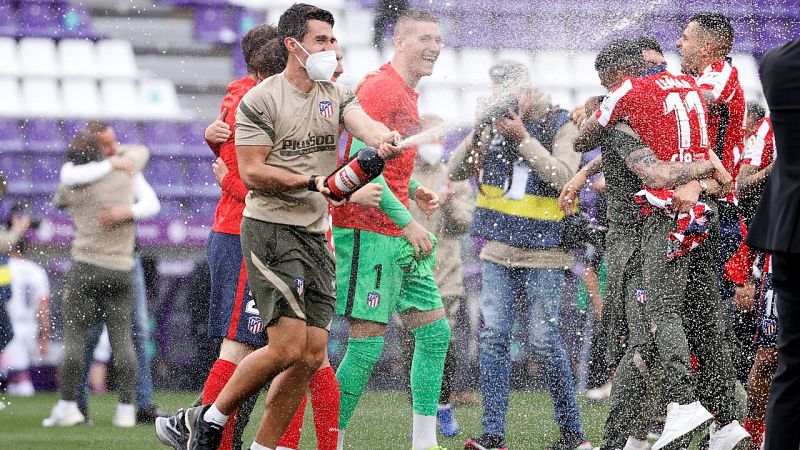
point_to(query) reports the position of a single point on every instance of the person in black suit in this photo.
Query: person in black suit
(776, 228)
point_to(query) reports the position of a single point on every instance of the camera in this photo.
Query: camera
(22, 209)
(498, 107)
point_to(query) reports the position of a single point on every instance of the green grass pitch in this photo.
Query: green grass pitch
(382, 421)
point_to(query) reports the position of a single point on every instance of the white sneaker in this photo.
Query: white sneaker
(599, 394)
(681, 421)
(21, 389)
(636, 444)
(64, 414)
(125, 416)
(731, 436)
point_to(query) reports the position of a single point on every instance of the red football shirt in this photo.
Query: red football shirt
(228, 215)
(759, 148)
(387, 98)
(667, 112)
(726, 129)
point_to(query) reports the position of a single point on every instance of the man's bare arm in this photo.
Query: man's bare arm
(751, 180)
(658, 174)
(594, 166)
(258, 176)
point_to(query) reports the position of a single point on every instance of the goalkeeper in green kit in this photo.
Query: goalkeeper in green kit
(384, 258)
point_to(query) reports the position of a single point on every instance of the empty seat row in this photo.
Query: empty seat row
(52, 19)
(470, 67)
(86, 97)
(46, 137)
(67, 58)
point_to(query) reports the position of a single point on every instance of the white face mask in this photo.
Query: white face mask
(321, 65)
(430, 153)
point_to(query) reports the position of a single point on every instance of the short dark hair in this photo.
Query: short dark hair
(620, 55)
(719, 26)
(97, 126)
(294, 21)
(83, 149)
(649, 43)
(415, 15)
(270, 58)
(256, 38)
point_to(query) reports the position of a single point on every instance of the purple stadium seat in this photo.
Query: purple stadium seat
(72, 127)
(195, 2)
(171, 208)
(45, 172)
(10, 136)
(40, 19)
(216, 25)
(165, 174)
(8, 19)
(43, 135)
(192, 138)
(127, 132)
(76, 22)
(163, 138)
(744, 41)
(202, 209)
(201, 179)
(12, 166)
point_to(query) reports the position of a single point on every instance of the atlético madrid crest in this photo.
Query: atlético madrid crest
(373, 299)
(255, 325)
(326, 108)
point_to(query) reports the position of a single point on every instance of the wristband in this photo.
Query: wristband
(703, 186)
(312, 183)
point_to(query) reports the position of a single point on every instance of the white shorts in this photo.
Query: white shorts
(23, 350)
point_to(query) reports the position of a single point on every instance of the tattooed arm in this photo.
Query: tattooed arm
(662, 174)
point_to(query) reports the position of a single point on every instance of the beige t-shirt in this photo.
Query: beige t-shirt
(303, 131)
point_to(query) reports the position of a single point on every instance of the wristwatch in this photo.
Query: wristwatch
(312, 183)
(703, 186)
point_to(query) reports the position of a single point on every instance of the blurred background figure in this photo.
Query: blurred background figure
(9, 236)
(29, 311)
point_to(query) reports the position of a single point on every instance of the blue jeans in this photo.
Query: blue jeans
(141, 342)
(542, 288)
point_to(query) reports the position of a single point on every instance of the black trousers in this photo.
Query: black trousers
(783, 411)
(6, 328)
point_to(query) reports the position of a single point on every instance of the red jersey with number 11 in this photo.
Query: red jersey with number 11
(667, 111)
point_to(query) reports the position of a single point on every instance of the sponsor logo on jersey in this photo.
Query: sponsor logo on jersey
(640, 295)
(300, 285)
(312, 144)
(255, 325)
(326, 108)
(373, 299)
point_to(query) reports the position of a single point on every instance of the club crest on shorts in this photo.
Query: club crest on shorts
(640, 295)
(769, 326)
(255, 325)
(326, 108)
(373, 299)
(300, 285)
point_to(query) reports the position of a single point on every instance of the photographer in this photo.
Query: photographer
(522, 155)
(9, 237)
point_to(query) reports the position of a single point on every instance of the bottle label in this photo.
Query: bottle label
(347, 180)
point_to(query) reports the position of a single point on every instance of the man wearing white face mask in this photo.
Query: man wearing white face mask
(286, 129)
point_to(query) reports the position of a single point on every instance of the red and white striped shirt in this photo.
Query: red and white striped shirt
(727, 128)
(760, 149)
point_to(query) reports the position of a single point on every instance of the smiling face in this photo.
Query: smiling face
(694, 46)
(420, 43)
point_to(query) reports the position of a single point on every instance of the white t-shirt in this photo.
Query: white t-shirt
(29, 283)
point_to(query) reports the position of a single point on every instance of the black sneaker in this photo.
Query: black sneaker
(202, 435)
(486, 442)
(570, 440)
(149, 413)
(172, 431)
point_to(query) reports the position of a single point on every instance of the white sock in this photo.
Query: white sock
(256, 446)
(443, 406)
(340, 440)
(213, 415)
(124, 409)
(424, 432)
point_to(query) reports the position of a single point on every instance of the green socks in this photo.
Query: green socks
(430, 349)
(354, 372)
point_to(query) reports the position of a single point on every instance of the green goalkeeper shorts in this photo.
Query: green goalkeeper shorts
(371, 285)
